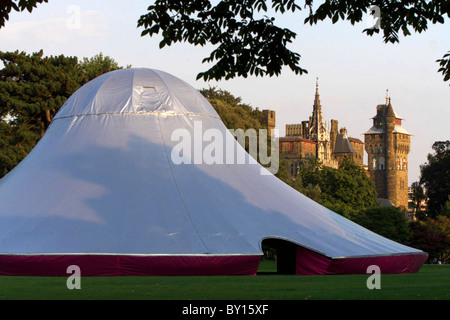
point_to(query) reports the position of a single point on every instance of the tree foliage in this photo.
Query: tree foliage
(427, 237)
(388, 222)
(435, 177)
(282, 173)
(445, 209)
(32, 89)
(18, 5)
(97, 65)
(441, 225)
(395, 16)
(248, 42)
(232, 111)
(418, 197)
(347, 190)
(444, 64)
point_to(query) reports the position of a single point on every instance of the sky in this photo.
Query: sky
(354, 70)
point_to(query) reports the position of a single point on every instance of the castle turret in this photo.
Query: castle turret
(333, 132)
(387, 144)
(268, 120)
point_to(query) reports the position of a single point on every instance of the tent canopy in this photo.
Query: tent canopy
(102, 182)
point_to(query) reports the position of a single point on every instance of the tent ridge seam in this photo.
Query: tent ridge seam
(178, 189)
(167, 113)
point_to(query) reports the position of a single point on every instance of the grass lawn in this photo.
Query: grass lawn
(432, 282)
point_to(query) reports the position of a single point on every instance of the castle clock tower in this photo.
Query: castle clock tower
(387, 144)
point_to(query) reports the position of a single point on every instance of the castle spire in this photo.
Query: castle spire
(387, 97)
(316, 123)
(317, 107)
(317, 100)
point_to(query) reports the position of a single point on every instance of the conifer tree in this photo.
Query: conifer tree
(33, 87)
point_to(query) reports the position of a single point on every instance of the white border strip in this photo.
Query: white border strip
(132, 254)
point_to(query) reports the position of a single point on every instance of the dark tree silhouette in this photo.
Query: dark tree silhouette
(248, 42)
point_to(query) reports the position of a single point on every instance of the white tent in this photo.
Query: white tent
(101, 191)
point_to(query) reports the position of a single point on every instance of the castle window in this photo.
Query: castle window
(371, 149)
(376, 149)
(381, 163)
(374, 163)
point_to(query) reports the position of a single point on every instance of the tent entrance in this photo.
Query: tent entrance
(283, 252)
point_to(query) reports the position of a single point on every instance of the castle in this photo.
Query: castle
(387, 144)
(313, 139)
